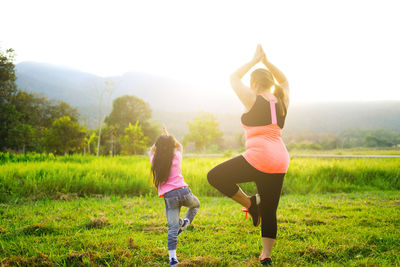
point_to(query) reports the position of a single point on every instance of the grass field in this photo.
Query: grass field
(88, 211)
(353, 229)
(40, 176)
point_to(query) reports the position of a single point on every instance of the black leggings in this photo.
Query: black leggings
(226, 175)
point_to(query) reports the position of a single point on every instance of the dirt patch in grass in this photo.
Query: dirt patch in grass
(132, 244)
(106, 245)
(38, 230)
(34, 197)
(359, 251)
(367, 222)
(155, 228)
(97, 222)
(158, 252)
(324, 207)
(3, 230)
(297, 236)
(150, 227)
(313, 222)
(338, 216)
(40, 260)
(286, 220)
(97, 195)
(313, 254)
(62, 196)
(396, 203)
(74, 258)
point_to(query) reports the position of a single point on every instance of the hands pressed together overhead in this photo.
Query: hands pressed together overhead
(259, 55)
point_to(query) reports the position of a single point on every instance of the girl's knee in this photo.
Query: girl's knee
(194, 202)
(197, 203)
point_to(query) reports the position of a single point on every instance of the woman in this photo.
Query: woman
(266, 159)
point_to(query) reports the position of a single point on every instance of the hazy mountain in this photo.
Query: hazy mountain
(83, 90)
(69, 85)
(174, 102)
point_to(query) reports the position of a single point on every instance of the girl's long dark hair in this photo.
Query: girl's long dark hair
(162, 160)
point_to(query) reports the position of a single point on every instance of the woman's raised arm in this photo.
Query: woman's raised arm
(278, 76)
(245, 94)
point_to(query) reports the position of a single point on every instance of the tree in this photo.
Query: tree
(7, 76)
(65, 136)
(203, 131)
(129, 109)
(109, 88)
(113, 133)
(133, 141)
(89, 140)
(24, 134)
(34, 111)
(61, 109)
(8, 88)
(377, 141)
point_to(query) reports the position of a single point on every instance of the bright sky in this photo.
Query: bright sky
(329, 50)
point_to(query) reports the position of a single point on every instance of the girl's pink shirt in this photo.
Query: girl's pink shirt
(175, 179)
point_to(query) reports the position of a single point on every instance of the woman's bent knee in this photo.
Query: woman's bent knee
(211, 177)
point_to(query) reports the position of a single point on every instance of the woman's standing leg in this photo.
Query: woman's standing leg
(269, 187)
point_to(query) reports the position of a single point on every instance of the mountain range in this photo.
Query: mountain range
(174, 102)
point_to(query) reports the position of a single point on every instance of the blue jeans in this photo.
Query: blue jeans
(174, 200)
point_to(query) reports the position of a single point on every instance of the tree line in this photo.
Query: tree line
(351, 138)
(32, 122)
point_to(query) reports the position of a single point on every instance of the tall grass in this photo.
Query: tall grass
(40, 176)
(37, 157)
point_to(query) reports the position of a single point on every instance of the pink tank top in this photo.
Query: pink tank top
(265, 149)
(175, 179)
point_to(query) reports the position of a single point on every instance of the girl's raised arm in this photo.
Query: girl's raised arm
(178, 146)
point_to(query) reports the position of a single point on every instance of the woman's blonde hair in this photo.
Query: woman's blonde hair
(265, 81)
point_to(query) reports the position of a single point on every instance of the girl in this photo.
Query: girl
(266, 159)
(166, 158)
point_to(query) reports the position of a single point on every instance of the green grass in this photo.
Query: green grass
(89, 211)
(53, 177)
(352, 229)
